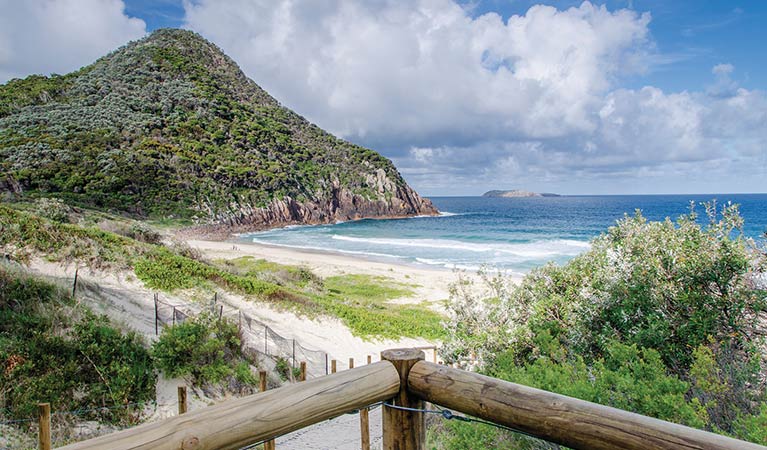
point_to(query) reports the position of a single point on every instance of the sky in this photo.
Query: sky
(610, 97)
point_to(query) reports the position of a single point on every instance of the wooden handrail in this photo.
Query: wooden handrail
(261, 416)
(557, 418)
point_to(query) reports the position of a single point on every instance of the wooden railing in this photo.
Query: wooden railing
(406, 382)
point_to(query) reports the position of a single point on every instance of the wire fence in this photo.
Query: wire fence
(76, 425)
(257, 336)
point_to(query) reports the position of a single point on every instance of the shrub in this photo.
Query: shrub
(651, 306)
(205, 348)
(53, 209)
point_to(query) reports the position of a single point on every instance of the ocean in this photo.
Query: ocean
(509, 234)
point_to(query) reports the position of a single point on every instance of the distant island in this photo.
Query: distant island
(516, 193)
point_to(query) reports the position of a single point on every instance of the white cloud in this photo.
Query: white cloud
(722, 69)
(463, 102)
(427, 70)
(45, 36)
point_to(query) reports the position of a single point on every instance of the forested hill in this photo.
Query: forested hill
(170, 126)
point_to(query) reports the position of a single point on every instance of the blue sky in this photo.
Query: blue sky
(641, 96)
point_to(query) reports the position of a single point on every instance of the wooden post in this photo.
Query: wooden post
(156, 329)
(221, 312)
(403, 430)
(327, 359)
(268, 445)
(333, 366)
(44, 420)
(74, 284)
(351, 363)
(303, 371)
(364, 429)
(181, 399)
(370, 359)
(262, 380)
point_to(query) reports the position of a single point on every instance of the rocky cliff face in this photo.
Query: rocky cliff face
(169, 126)
(339, 206)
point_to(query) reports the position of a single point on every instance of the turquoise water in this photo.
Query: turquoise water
(513, 234)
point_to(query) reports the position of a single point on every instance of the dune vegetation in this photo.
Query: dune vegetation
(666, 319)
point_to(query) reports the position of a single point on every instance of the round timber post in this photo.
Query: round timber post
(403, 430)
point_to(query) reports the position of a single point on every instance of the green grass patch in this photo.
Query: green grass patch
(367, 288)
(362, 303)
(281, 274)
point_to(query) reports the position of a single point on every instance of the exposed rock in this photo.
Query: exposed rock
(517, 193)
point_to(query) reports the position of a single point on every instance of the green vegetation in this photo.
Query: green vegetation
(360, 301)
(205, 348)
(23, 233)
(53, 350)
(660, 318)
(168, 127)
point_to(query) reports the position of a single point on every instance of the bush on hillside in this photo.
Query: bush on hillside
(53, 209)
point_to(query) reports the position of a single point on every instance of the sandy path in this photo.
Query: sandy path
(342, 433)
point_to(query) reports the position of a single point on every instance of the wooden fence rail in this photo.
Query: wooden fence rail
(237, 423)
(405, 381)
(557, 418)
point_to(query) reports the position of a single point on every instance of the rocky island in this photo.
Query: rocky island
(517, 193)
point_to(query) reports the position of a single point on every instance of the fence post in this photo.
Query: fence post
(181, 400)
(156, 332)
(268, 445)
(333, 366)
(351, 363)
(370, 359)
(303, 371)
(364, 429)
(74, 284)
(364, 423)
(327, 358)
(403, 430)
(44, 421)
